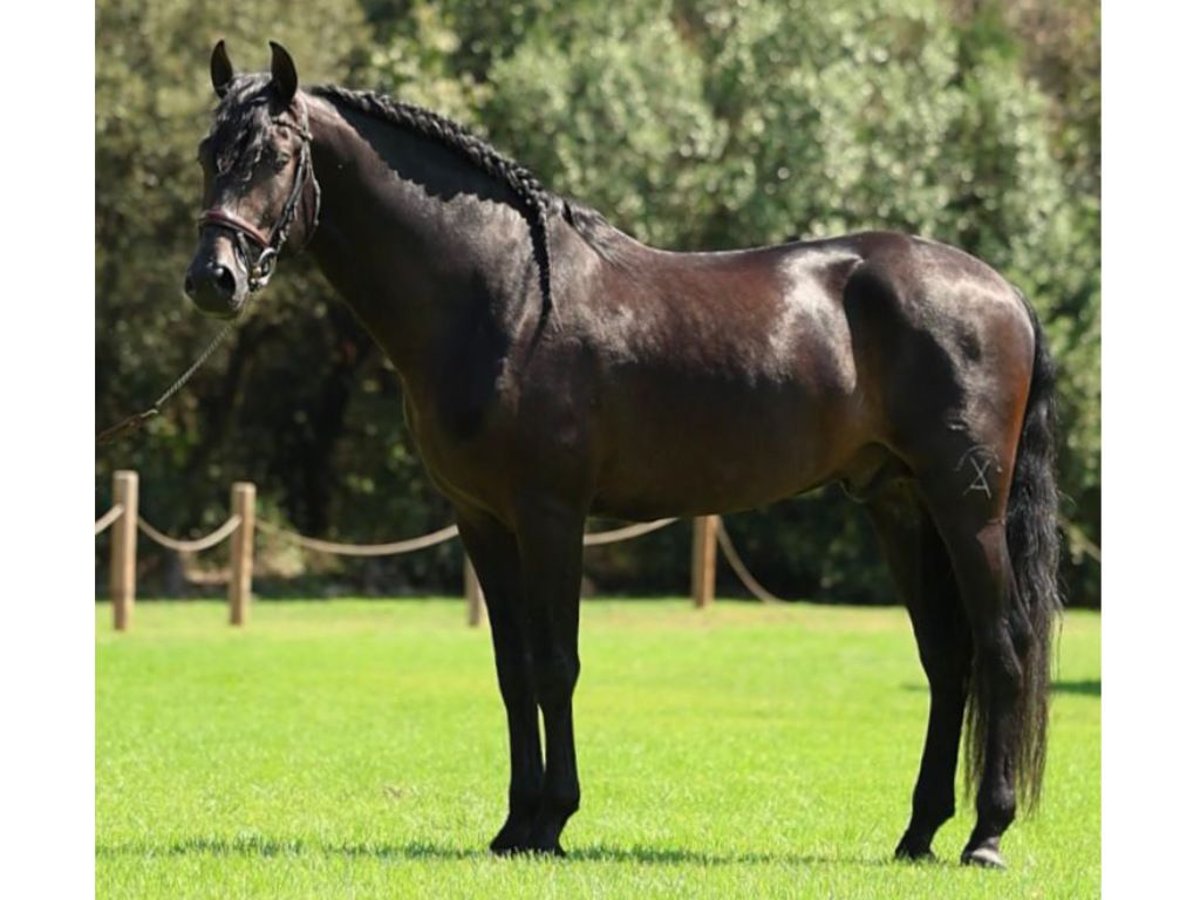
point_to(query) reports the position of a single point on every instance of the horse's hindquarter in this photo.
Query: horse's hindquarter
(724, 380)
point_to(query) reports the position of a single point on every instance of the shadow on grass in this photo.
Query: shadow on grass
(668, 856)
(266, 848)
(1089, 687)
(1086, 687)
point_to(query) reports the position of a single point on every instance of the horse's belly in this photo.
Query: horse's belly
(722, 451)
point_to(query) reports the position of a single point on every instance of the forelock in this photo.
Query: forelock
(241, 131)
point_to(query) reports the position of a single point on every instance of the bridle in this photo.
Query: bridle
(260, 267)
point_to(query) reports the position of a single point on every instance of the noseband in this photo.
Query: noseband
(261, 267)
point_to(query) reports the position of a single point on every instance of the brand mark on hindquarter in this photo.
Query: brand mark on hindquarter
(979, 463)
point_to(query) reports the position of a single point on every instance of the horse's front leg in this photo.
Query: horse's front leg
(551, 540)
(493, 551)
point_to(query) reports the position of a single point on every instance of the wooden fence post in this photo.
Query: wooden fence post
(122, 573)
(241, 552)
(704, 560)
(476, 611)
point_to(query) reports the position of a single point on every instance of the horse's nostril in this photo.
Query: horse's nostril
(189, 286)
(225, 280)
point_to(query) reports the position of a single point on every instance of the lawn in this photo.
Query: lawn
(357, 748)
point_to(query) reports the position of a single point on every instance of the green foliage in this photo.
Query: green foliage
(359, 747)
(416, 62)
(615, 116)
(692, 124)
(280, 401)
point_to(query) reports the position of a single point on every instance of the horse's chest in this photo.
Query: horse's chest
(463, 434)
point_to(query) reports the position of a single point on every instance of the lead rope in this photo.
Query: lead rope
(136, 421)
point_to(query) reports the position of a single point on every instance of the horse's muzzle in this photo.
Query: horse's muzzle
(215, 288)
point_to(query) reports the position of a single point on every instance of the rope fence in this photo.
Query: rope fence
(709, 536)
(1078, 542)
(628, 533)
(194, 546)
(395, 548)
(749, 582)
(103, 523)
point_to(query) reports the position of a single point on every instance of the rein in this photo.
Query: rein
(259, 269)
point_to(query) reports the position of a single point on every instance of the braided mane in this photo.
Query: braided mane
(241, 133)
(536, 202)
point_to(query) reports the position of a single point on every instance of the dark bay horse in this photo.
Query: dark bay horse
(554, 367)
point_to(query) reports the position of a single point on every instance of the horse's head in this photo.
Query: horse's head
(258, 183)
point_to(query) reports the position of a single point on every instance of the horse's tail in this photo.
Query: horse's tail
(1033, 549)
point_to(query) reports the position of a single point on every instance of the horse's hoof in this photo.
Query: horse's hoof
(985, 857)
(911, 849)
(511, 839)
(510, 842)
(527, 850)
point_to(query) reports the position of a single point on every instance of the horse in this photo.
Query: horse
(554, 367)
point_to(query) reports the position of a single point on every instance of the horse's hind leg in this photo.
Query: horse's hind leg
(968, 509)
(921, 569)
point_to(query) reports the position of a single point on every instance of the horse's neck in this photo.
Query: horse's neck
(417, 245)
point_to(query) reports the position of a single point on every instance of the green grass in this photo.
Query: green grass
(358, 748)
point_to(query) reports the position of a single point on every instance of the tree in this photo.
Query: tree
(693, 124)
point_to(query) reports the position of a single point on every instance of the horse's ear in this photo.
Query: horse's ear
(221, 69)
(283, 73)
